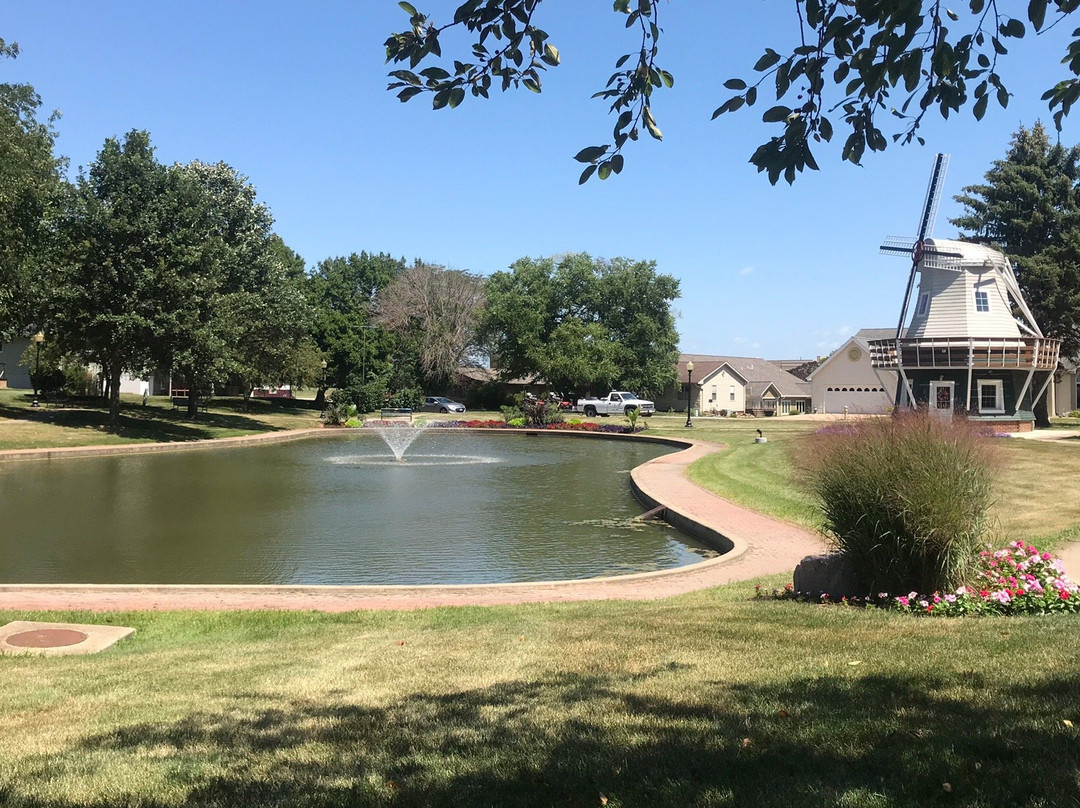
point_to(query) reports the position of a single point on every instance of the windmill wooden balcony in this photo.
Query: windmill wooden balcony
(1026, 353)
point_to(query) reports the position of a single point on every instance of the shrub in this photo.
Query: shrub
(367, 397)
(1074, 413)
(519, 421)
(905, 498)
(406, 397)
(632, 416)
(339, 410)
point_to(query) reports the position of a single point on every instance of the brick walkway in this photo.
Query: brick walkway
(760, 546)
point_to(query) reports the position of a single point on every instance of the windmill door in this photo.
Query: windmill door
(941, 399)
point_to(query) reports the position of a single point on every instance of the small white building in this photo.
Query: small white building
(848, 382)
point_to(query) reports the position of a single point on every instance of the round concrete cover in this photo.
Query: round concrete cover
(46, 638)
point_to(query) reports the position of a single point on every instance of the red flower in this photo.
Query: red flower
(1064, 594)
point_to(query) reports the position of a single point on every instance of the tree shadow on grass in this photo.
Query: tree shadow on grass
(141, 423)
(568, 739)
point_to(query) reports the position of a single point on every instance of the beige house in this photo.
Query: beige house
(847, 381)
(722, 385)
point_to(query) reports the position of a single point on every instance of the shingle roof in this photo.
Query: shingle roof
(867, 334)
(753, 369)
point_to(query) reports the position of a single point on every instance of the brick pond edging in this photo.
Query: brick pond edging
(759, 545)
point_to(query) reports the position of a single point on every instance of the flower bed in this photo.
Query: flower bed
(579, 426)
(1019, 579)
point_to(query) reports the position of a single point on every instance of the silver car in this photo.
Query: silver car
(441, 404)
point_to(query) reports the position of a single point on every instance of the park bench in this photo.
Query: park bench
(55, 400)
(396, 412)
(181, 403)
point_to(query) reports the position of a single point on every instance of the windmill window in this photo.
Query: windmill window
(924, 304)
(991, 396)
(982, 301)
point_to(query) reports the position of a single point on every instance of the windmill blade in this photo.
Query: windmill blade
(897, 245)
(926, 227)
(933, 197)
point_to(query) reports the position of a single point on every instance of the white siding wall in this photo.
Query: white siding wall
(951, 311)
(842, 382)
(723, 380)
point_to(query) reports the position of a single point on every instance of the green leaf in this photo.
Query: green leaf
(980, 107)
(441, 99)
(668, 79)
(604, 170)
(776, 114)
(1037, 13)
(1003, 97)
(1013, 28)
(531, 84)
(591, 154)
(588, 172)
(617, 163)
(408, 93)
(551, 54)
(770, 58)
(408, 9)
(457, 95)
(735, 84)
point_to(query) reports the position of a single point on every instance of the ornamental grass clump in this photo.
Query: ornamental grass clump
(906, 498)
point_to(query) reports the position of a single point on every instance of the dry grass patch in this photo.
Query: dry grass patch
(708, 699)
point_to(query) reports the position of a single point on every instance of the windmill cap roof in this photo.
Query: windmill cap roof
(970, 253)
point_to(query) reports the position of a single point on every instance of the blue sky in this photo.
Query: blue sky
(293, 95)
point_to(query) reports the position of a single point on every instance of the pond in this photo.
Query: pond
(338, 509)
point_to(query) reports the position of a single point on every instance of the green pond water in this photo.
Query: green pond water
(338, 509)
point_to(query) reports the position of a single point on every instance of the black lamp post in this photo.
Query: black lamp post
(39, 338)
(689, 390)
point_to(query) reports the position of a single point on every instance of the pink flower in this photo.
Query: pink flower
(1046, 556)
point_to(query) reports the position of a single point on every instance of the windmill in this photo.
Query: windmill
(972, 343)
(916, 247)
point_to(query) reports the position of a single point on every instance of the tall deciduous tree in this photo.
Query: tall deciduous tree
(1029, 206)
(434, 311)
(109, 296)
(342, 293)
(582, 323)
(32, 195)
(227, 281)
(855, 63)
(274, 344)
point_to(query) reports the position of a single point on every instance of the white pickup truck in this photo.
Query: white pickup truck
(617, 402)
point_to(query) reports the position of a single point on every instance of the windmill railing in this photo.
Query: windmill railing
(1038, 353)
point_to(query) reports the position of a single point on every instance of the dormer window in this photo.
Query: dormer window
(924, 304)
(982, 301)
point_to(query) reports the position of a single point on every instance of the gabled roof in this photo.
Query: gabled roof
(862, 337)
(752, 369)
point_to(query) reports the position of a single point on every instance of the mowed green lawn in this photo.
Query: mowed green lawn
(708, 699)
(1036, 489)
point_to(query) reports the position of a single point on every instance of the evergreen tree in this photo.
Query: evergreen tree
(1029, 207)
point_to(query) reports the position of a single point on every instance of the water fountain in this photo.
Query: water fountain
(398, 435)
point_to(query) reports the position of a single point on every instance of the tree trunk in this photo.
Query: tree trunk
(1042, 413)
(192, 401)
(114, 396)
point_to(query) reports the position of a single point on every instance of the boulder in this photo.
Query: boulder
(829, 574)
